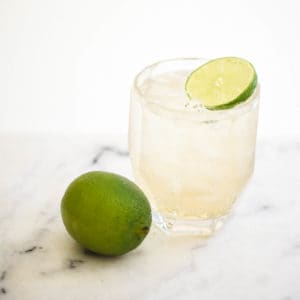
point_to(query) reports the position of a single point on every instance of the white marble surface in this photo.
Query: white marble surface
(255, 256)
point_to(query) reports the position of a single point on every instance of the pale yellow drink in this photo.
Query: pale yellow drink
(191, 162)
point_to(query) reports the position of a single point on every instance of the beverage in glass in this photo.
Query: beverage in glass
(191, 162)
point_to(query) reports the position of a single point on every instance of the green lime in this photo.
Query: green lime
(106, 213)
(222, 83)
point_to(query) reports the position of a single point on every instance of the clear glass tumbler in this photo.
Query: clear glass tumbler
(191, 162)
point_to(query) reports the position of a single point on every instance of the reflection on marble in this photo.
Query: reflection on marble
(255, 256)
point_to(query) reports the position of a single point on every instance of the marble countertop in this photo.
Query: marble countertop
(255, 256)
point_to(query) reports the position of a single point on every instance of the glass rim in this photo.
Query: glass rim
(249, 104)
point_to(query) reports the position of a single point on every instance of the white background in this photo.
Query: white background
(66, 66)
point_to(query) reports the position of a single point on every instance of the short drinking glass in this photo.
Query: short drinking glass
(191, 162)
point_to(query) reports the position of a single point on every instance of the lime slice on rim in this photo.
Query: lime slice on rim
(222, 83)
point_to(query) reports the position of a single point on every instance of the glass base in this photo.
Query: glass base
(175, 226)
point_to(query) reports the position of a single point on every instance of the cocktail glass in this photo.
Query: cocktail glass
(191, 162)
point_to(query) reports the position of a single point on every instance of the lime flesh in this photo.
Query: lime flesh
(106, 213)
(222, 83)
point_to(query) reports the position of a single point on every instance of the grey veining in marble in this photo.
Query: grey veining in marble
(255, 256)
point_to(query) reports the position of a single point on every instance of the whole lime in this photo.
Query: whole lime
(106, 213)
